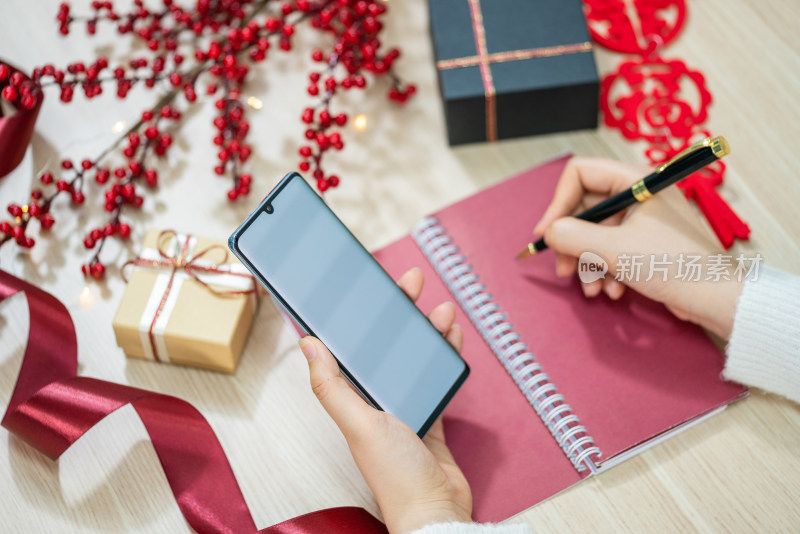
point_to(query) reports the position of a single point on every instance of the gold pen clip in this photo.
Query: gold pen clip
(719, 146)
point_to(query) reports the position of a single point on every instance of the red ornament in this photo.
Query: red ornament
(660, 101)
(654, 99)
(655, 24)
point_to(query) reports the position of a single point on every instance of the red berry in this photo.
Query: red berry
(28, 101)
(78, 197)
(4, 71)
(86, 164)
(232, 194)
(333, 180)
(151, 177)
(10, 93)
(341, 119)
(96, 234)
(34, 209)
(124, 230)
(98, 270)
(308, 115)
(245, 179)
(46, 178)
(305, 151)
(147, 115)
(322, 185)
(66, 164)
(18, 233)
(151, 132)
(62, 185)
(88, 242)
(47, 221)
(175, 79)
(313, 90)
(14, 210)
(317, 55)
(304, 166)
(109, 230)
(272, 24)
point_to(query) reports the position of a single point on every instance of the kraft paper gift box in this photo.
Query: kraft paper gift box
(188, 302)
(513, 68)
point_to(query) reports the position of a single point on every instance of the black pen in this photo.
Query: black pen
(683, 164)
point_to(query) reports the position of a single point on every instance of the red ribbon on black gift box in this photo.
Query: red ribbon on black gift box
(484, 59)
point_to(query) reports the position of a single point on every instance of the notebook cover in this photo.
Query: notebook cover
(629, 369)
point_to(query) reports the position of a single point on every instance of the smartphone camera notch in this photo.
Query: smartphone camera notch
(268, 208)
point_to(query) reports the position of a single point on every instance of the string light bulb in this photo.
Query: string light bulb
(118, 127)
(255, 102)
(86, 297)
(360, 122)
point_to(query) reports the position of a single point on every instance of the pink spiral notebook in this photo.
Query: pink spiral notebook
(562, 387)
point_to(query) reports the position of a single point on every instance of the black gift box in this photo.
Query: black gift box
(512, 68)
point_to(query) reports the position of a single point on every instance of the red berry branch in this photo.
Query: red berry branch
(211, 44)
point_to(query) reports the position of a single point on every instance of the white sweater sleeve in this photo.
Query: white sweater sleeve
(764, 348)
(475, 528)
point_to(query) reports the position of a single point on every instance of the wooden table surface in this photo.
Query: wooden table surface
(739, 471)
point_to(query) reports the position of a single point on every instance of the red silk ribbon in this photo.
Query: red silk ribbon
(51, 408)
(16, 131)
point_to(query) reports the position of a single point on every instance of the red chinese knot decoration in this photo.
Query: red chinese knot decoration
(660, 101)
(207, 46)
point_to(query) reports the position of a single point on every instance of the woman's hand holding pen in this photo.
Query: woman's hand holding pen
(664, 224)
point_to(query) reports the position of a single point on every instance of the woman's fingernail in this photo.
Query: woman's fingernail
(308, 348)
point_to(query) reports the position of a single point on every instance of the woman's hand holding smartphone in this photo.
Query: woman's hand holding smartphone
(335, 290)
(394, 370)
(415, 482)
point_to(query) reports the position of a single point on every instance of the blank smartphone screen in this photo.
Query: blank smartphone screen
(323, 274)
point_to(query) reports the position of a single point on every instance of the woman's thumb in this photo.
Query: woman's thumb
(346, 407)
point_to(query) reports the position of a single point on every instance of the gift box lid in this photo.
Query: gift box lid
(524, 47)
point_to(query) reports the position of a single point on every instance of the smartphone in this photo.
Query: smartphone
(334, 289)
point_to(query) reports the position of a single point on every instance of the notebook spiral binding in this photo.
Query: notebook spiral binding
(506, 344)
